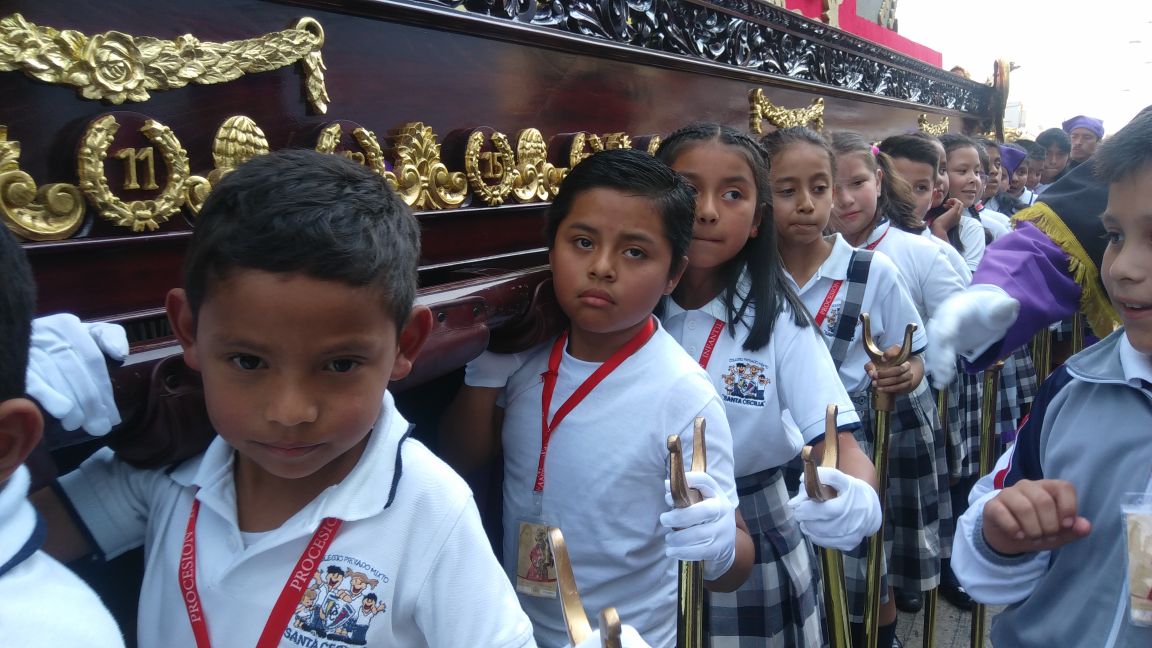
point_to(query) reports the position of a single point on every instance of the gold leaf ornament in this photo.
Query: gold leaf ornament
(118, 67)
(48, 213)
(491, 194)
(925, 126)
(761, 109)
(139, 215)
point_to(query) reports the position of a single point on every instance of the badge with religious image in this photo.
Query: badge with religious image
(535, 566)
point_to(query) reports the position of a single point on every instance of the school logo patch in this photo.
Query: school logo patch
(832, 320)
(341, 600)
(745, 382)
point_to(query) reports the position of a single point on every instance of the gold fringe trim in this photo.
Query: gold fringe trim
(1094, 302)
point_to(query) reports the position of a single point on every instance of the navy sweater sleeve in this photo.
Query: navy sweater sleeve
(1025, 462)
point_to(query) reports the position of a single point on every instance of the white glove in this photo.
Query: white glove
(629, 638)
(67, 373)
(844, 521)
(491, 369)
(967, 324)
(704, 531)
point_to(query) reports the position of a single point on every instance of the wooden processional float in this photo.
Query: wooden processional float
(118, 120)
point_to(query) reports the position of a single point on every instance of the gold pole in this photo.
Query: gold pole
(1077, 333)
(831, 562)
(690, 598)
(574, 617)
(987, 462)
(1042, 353)
(882, 405)
(931, 596)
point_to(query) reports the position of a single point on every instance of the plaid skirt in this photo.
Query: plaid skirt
(781, 603)
(1018, 385)
(914, 505)
(964, 423)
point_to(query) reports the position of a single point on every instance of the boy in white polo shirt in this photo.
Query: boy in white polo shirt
(42, 603)
(297, 311)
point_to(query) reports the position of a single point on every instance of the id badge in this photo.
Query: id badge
(535, 566)
(1137, 509)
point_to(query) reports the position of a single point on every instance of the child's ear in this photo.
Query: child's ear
(183, 324)
(412, 338)
(677, 272)
(20, 428)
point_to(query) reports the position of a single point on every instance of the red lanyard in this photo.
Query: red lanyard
(823, 312)
(873, 244)
(550, 376)
(713, 336)
(298, 581)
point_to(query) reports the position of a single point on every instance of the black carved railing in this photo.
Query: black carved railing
(748, 34)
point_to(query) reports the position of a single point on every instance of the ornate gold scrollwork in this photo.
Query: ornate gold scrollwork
(538, 179)
(418, 175)
(118, 67)
(501, 166)
(653, 144)
(926, 126)
(762, 109)
(48, 213)
(137, 214)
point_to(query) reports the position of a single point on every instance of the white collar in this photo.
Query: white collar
(878, 232)
(836, 265)
(362, 494)
(17, 517)
(1137, 366)
(716, 307)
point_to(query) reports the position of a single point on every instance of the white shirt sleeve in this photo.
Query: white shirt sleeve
(941, 282)
(113, 500)
(972, 238)
(896, 307)
(811, 382)
(467, 599)
(987, 576)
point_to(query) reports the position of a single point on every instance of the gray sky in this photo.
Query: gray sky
(1092, 58)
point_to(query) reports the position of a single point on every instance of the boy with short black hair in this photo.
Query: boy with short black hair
(1049, 537)
(1057, 149)
(611, 389)
(298, 311)
(43, 603)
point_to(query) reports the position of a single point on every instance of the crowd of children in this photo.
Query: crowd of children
(724, 278)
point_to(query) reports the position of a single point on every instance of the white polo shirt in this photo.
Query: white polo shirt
(792, 372)
(972, 238)
(995, 222)
(885, 300)
(425, 556)
(42, 603)
(954, 259)
(604, 478)
(928, 276)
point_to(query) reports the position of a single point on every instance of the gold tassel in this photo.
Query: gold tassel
(1094, 302)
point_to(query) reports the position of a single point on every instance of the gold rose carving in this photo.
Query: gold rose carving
(926, 126)
(48, 213)
(764, 110)
(420, 178)
(237, 140)
(501, 165)
(140, 215)
(117, 67)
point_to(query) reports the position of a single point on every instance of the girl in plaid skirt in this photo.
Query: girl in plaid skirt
(838, 283)
(734, 310)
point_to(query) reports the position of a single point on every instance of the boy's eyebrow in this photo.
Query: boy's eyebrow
(639, 236)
